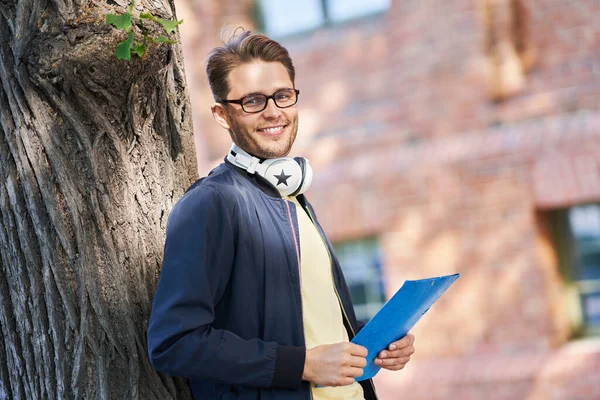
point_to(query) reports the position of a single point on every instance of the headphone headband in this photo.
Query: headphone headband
(291, 176)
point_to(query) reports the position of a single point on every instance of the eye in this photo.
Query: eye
(252, 100)
(283, 95)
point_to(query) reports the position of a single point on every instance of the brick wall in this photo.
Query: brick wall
(407, 145)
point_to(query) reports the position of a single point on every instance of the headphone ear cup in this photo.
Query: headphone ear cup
(284, 173)
(307, 175)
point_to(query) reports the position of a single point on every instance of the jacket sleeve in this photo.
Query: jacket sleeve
(198, 260)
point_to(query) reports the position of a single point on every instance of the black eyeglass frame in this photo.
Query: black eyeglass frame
(241, 101)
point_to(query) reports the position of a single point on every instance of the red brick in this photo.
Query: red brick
(448, 179)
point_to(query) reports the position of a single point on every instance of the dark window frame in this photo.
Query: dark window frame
(569, 250)
(328, 22)
(374, 290)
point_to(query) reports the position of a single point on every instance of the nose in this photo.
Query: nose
(271, 111)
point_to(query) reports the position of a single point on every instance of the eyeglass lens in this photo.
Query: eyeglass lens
(258, 102)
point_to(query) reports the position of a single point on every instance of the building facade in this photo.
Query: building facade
(449, 136)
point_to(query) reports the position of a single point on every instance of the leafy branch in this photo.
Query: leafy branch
(127, 20)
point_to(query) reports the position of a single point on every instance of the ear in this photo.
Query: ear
(219, 114)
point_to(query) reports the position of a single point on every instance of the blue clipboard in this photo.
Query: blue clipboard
(398, 315)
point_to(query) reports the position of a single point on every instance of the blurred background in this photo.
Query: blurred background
(448, 136)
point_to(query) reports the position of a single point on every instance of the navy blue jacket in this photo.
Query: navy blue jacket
(227, 312)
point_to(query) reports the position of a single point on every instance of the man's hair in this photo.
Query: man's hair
(241, 49)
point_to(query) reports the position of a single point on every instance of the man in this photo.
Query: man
(251, 301)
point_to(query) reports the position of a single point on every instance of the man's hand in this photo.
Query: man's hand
(397, 354)
(334, 364)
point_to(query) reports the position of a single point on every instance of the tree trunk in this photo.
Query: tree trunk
(94, 151)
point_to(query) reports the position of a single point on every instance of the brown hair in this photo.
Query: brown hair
(240, 49)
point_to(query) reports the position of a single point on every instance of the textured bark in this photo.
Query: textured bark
(93, 153)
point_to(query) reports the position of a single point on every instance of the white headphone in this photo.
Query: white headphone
(291, 176)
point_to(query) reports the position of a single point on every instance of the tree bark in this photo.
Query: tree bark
(94, 151)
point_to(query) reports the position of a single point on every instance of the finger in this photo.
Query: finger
(407, 340)
(357, 350)
(352, 372)
(395, 367)
(343, 381)
(392, 362)
(354, 361)
(405, 351)
(357, 362)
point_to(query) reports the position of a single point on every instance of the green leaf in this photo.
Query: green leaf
(122, 21)
(139, 49)
(146, 15)
(123, 50)
(163, 39)
(168, 25)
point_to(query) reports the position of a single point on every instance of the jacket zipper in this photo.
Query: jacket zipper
(335, 288)
(299, 259)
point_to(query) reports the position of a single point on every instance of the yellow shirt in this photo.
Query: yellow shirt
(322, 314)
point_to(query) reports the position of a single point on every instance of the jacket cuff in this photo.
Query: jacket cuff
(289, 366)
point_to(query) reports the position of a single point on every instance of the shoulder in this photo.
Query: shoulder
(217, 177)
(222, 180)
(208, 194)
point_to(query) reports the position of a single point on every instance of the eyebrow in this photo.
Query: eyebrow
(276, 90)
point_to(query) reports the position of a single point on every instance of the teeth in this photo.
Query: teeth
(272, 130)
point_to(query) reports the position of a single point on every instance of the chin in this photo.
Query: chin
(273, 154)
(274, 151)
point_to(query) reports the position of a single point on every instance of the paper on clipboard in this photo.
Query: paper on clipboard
(398, 315)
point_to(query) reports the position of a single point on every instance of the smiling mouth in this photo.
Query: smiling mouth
(272, 130)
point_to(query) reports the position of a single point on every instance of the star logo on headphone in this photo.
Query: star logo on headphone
(282, 178)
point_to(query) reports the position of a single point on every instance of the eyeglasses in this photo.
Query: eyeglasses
(254, 103)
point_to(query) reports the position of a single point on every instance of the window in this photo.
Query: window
(578, 243)
(361, 263)
(283, 17)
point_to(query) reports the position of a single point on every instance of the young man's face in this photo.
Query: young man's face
(266, 134)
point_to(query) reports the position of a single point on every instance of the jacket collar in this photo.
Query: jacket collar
(261, 183)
